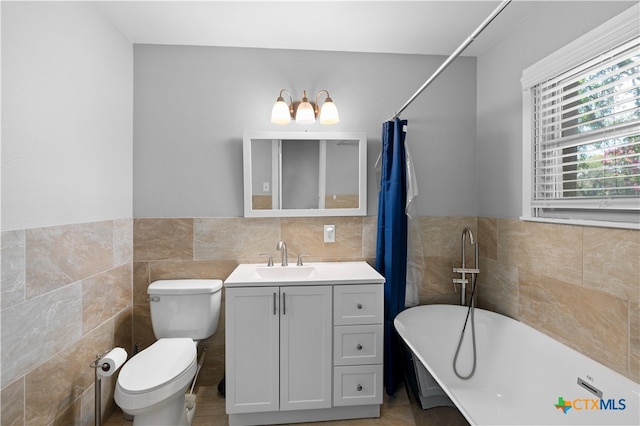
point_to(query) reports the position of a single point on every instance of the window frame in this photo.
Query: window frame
(604, 38)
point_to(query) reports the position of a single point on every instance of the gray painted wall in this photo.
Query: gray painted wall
(499, 147)
(66, 129)
(192, 104)
(67, 112)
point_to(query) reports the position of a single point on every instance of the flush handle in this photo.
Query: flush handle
(153, 299)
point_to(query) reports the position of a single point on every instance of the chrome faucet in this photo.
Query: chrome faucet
(283, 246)
(465, 232)
(463, 269)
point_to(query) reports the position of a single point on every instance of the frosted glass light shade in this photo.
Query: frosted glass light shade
(329, 113)
(305, 114)
(280, 113)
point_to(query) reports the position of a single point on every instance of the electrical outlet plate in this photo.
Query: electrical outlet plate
(329, 234)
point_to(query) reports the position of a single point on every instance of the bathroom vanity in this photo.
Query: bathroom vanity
(303, 343)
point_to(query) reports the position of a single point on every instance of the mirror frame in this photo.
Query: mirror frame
(361, 137)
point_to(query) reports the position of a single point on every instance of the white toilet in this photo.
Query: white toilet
(152, 384)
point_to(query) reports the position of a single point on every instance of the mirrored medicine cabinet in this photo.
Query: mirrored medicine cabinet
(292, 174)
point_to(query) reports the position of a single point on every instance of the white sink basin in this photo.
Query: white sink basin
(317, 273)
(284, 272)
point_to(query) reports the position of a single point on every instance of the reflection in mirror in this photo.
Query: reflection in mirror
(304, 174)
(262, 175)
(342, 179)
(300, 174)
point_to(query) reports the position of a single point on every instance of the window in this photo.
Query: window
(582, 129)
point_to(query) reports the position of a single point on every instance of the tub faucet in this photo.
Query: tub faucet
(283, 246)
(467, 231)
(464, 270)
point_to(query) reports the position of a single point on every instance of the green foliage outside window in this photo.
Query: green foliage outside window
(609, 167)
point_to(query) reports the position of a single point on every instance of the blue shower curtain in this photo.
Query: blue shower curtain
(391, 248)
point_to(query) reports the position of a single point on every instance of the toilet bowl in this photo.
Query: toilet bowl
(151, 386)
(155, 380)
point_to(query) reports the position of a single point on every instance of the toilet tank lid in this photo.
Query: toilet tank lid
(191, 286)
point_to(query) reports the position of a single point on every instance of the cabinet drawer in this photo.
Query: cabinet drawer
(357, 344)
(358, 304)
(357, 385)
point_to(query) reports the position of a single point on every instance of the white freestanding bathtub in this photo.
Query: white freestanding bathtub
(523, 377)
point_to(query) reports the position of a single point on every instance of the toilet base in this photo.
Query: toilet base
(172, 413)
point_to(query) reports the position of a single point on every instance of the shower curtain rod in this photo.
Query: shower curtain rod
(454, 55)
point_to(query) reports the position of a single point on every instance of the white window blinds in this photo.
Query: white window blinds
(582, 130)
(586, 127)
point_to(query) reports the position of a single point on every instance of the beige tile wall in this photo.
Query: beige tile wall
(580, 285)
(66, 296)
(68, 289)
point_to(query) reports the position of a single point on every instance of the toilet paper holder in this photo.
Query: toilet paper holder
(98, 385)
(96, 363)
(105, 367)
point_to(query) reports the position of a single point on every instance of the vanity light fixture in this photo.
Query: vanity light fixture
(303, 111)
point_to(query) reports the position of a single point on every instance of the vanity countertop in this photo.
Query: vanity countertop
(312, 273)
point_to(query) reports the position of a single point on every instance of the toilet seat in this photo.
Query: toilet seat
(156, 373)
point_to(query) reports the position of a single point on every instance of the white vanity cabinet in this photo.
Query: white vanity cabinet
(303, 344)
(278, 348)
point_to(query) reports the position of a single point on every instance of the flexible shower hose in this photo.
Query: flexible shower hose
(473, 335)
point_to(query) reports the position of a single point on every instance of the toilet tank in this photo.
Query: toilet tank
(185, 308)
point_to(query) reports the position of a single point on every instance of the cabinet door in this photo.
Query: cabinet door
(305, 347)
(251, 349)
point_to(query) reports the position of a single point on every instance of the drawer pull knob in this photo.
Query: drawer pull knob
(359, 306)
(359, 388)
(359, 347)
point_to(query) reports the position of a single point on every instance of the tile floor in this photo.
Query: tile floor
(399, 410)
